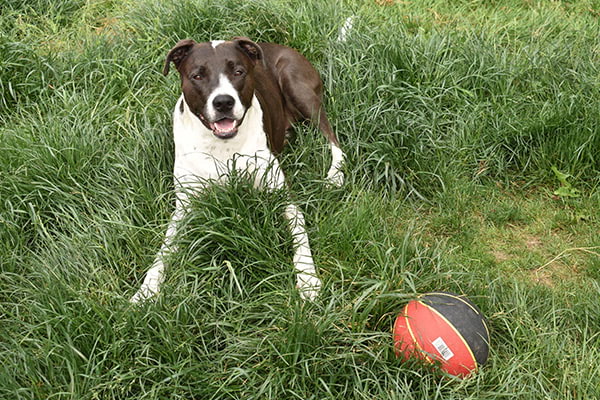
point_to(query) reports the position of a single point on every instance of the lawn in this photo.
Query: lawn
(472, 132)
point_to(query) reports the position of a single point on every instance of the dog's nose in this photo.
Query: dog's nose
(223, 103)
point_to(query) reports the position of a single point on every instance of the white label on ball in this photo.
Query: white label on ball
(443, 348)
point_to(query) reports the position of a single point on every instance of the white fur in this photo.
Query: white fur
(215, 43)
(224, 88)
(200, 156)
(345, 29)
(335, 176)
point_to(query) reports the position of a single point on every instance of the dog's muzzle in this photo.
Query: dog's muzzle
(224, 125)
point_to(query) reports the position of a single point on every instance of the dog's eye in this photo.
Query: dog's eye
(200, 73)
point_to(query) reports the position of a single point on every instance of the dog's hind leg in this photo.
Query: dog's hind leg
(305, 101)
(317, 116)
(335, 175)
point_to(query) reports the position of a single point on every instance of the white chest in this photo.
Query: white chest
(201, 156)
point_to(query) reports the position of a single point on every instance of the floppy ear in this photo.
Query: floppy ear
(178, 53)
(248, 47)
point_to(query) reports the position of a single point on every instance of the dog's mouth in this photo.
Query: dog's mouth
(225, 128)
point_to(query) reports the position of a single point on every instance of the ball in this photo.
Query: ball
(443, 328)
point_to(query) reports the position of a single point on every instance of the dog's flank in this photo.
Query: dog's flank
(238, 100)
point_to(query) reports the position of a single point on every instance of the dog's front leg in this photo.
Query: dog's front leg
(155, 275)
(306, 276)
(269, 175)
(307, 282)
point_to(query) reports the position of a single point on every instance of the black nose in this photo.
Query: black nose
(223, 103)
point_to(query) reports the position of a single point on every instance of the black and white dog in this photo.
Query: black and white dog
(238, 100)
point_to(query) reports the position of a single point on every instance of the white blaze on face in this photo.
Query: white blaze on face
(224, 88)
(215, 43)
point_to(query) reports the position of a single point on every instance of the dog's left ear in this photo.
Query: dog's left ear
(248, 47)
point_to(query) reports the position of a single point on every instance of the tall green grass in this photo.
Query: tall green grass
(452, 116)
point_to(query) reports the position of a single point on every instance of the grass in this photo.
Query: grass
(452, 114)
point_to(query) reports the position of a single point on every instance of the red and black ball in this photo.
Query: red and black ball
(443, 328)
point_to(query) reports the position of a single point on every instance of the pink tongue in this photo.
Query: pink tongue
(225, 125)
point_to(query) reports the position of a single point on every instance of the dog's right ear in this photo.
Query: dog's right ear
(178, 53)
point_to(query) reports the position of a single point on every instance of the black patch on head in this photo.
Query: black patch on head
(181, 106)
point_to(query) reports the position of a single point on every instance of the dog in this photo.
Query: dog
(238, 100)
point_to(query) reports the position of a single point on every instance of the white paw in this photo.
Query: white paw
(309, 286)
(335, 177)
(145, 293)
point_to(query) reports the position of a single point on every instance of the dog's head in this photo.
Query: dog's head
(217, 80)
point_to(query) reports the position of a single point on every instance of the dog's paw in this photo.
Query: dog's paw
(309, 286)
(335, 177)
(145, 293)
